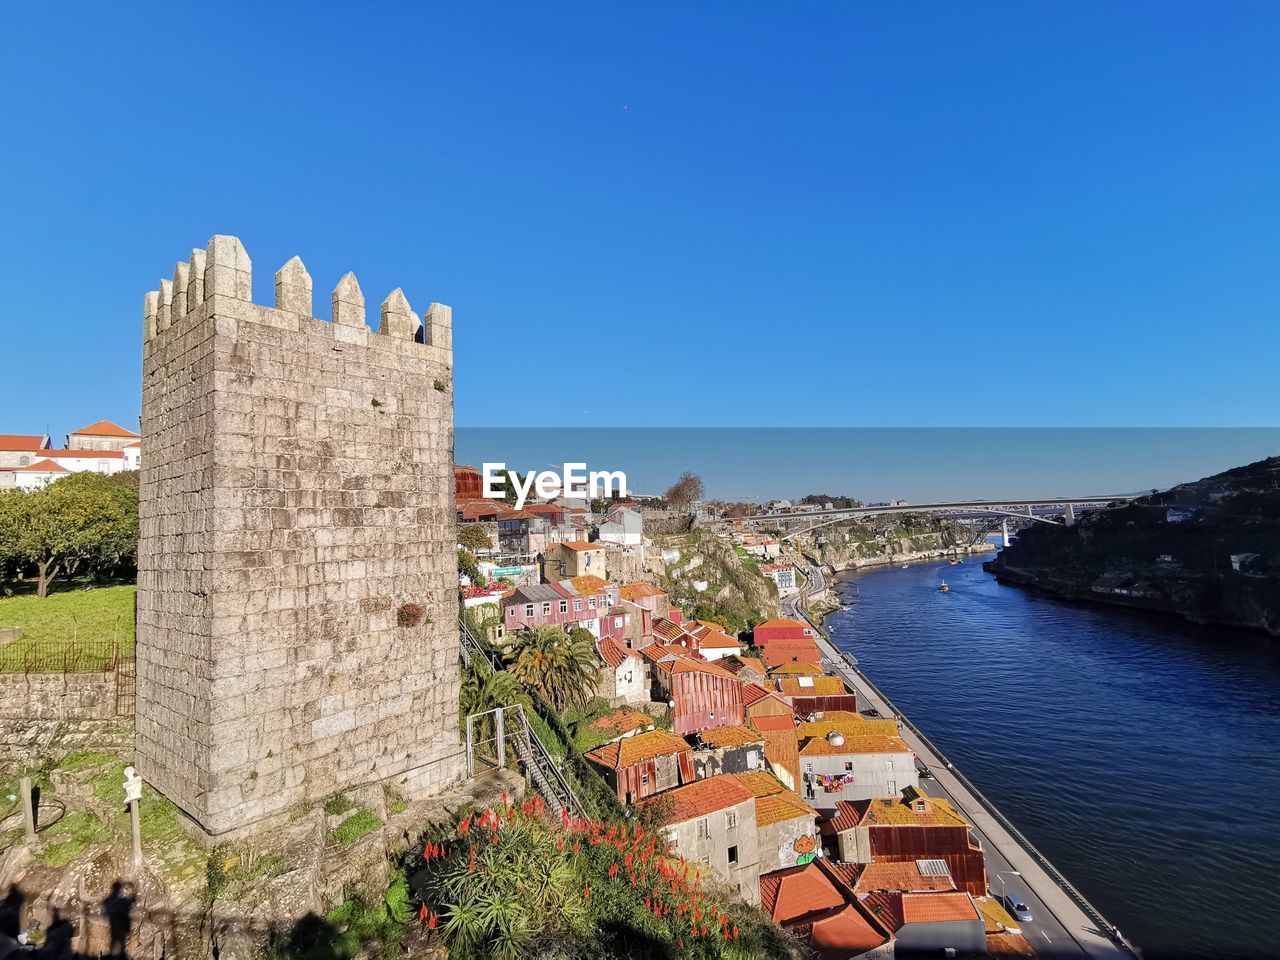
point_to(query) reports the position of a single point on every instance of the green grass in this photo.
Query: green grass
(338, 804)
(354, 827)
(93, 619)
(80, 831)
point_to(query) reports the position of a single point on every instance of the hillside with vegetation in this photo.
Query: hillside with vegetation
(713, 581)
(1207, 550)
(887, 539)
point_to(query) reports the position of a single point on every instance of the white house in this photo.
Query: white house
(783, 574)
(19, 450)
(622, 678)
(624, 526)
(103, 435)
(35, 475)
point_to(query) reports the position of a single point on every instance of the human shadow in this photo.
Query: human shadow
(11, 912)
(311, 938)
(117, 907)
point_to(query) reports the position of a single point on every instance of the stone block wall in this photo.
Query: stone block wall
(297, 504)
(44, 715)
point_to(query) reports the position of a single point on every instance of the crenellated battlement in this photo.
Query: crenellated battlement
(223, 269)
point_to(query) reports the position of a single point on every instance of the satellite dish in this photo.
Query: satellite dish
(835, 738)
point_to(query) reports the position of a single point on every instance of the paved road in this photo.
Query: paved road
(1060, 927)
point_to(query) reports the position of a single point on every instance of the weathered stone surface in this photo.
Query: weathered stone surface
(397, 317)
(297, 490)
(293, 287)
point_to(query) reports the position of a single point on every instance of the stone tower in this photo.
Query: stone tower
(297, 570)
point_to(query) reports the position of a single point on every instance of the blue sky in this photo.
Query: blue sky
(992, 214)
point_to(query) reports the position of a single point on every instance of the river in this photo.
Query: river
(1140, 754)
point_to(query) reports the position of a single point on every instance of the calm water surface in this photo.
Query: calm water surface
(1139, 753)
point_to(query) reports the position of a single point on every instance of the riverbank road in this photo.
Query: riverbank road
(1060, 927)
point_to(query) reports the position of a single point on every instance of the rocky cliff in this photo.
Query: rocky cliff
(885, 540)
(1208, 551)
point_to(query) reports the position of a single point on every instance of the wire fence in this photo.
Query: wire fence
(100, 655)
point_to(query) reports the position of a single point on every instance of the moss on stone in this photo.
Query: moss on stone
(76, 833)
(354, 827)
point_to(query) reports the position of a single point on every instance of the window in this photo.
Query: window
(753, 760)
(591, 602)
(617, 623)
(103, 466)
(644, 779)
(731, 819)
(704, 829)
(564, 606)
(733, 855)
(546, 608)
(528, 609)
(849, 767)
(564, 569)
(577, 606)
(24, 461)
(511, 612)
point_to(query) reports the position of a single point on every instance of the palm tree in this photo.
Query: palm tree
(559, 666)
(484, 688)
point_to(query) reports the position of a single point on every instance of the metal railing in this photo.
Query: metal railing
(511, 726)
(992, 810)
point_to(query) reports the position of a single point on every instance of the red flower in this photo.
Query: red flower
(465, 826)
(422, 914)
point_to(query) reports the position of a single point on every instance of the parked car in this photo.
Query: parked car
(1018, 907)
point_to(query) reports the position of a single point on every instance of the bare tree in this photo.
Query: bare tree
(685, 491)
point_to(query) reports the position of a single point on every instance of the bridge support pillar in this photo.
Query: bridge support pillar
(1004, 532)
(1069, 518)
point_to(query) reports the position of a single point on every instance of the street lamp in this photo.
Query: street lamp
(1001, 874)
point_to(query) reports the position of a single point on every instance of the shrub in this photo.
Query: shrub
(354, 827)
(410, 614)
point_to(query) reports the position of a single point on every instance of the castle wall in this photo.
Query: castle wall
(297, 499)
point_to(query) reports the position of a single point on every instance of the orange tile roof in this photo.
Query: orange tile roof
(578, 545)
(623, 721)
(780, 722)
(787, 651)
(795, 669)
(715, 640)
(702, 797)
(849, 724)
(873, 743)
(690, 665)
(667, 630)
(19, 441)
(711, 625)
(788, 895)
(814, 687)
(632, 750)
(901, 877)
(895, 811)
(843, 933)
(41, 466)
(638, 591)
(732, 736)
(104, 428)
(589, 583)
(938, 908)
(612, 652)
(657, 651)
(774, 802)
(782, 622)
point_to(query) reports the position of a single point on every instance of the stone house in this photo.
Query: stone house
(786, 825)
(734, 749)
(622, 525)
(911, 827)
(713, 821)
(746, 669)
(853, 761)
(575, 558)
(641, 764)
(623, 679)
(103, 435)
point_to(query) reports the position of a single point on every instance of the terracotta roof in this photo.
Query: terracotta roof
(690, 665)
(788, 895)
(811, 687)
(849, 724)
(894, 811)
(612, 652)
(785, 651)
(578, 545)
(872, 743)
(103, 428)
(938, 907)
(753, 693)
(843, 933)
(667, 630)
(85, 454)
(657, 651)
(588, 583)
(20, 441)
(715, 640)
(795, 669)
(774, 802)
(702, 797)
(622, 721)
(885, 907)
(780, 622)
(901, 877)
(631, 750)
(768, 724)
(638, 591)
(41, 466)
(732, 736)
(711, 625)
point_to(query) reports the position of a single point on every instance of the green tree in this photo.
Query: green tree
(473, 537)
(560, 667)
(77, 523)
(468, 565)
(484, 688)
